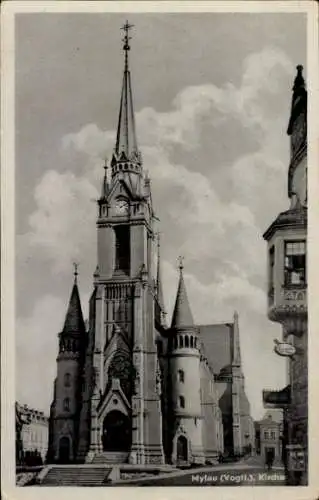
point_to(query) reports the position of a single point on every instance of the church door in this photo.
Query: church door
(116, 432)
(182, 453)
(64, 450)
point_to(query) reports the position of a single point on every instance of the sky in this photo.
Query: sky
(212, 96)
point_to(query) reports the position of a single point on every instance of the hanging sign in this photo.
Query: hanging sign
(284, 349)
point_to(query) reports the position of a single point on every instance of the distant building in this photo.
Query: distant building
(287, 291)
(129, 388)
(32, 432)
(269, 435)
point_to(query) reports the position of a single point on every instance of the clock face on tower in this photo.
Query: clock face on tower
(121, 207)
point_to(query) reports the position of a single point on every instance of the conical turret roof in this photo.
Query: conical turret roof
(74, 318)
(182, 315)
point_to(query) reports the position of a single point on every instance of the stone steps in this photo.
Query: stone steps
(111, 457)
(76, 476)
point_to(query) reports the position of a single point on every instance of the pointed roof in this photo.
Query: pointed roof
(105, 184)
(182, 315)
(299, 97)
(126, 136)
(74, 319)
(159, 288)
(236, 341)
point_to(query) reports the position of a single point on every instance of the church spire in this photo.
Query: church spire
(182, 315)
(74, 319)
(126, 143)
(236, 341)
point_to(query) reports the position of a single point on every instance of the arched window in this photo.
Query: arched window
(66, 404)
(67, 380)
(186, 341)
(181, 376)
(182, 401)
(181, 341)
(192, 341)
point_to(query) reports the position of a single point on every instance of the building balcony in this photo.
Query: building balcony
(287, 301)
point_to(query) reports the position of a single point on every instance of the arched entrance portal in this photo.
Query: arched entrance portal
(116, 432)
(64, 450)
(182, 451)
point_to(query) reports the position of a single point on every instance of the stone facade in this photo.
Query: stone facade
(287, 297)
(129, 387)
(269, 431)
(33, 431)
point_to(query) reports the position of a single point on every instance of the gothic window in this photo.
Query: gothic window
(122, 248)
(66, 404)
(181, 376)
(295, 263)
(121, 368)
(182, 401)
(186, 341)
(181, 341)
(271, 271)
(67, 380)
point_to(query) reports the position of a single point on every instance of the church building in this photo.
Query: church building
(130, 388)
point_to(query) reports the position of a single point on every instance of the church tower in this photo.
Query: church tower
(125, 410)
(65, 408)
(184, 363)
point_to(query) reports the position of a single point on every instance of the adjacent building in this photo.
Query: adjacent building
(287, 291)
(32, 433)
(269, 435)
(129, 387)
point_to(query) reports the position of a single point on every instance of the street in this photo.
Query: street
(249, 472)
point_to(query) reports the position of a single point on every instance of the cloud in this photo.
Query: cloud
(213, 214)
(62, 224)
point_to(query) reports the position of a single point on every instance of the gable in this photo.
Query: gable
(119, 188)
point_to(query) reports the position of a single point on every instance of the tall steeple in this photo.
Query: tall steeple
(182, 315)
(74, 319)
(236, 342)
(126, 149)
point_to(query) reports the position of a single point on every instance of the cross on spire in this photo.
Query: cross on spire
(76, 266)
(180, 261)
(126, 47)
